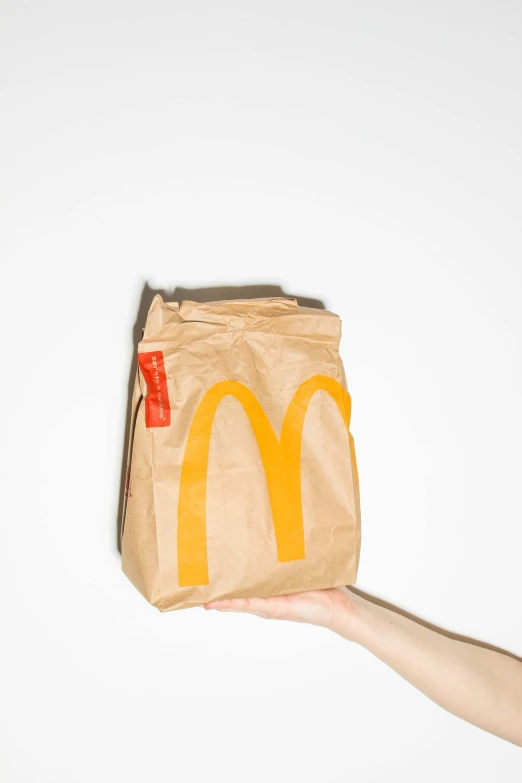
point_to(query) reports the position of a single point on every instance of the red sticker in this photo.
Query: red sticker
(157, 407)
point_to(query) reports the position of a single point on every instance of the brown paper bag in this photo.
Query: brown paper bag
(242, 479)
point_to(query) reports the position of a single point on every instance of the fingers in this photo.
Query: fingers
(258, 606)
(234, 605)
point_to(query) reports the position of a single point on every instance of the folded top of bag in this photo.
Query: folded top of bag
(194, 320)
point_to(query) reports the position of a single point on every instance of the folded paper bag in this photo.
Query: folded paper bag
(241, 476)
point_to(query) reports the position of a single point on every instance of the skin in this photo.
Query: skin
(479, 685)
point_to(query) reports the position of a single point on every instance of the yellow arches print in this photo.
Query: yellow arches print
(281, 461)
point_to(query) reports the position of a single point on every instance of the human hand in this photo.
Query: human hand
(335, 608)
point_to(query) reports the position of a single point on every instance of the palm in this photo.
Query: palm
(328, 608)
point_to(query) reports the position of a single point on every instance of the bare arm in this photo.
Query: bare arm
(480, 686)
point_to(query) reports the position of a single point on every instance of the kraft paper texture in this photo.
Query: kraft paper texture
(241, 477)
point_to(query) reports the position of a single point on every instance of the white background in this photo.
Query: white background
(365, 154)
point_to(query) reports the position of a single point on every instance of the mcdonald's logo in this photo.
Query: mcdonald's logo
(282, 465)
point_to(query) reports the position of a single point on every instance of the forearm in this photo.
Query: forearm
(481, 686)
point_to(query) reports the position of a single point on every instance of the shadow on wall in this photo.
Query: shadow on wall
(179, 295)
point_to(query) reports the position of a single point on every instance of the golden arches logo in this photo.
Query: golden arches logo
(281, 461)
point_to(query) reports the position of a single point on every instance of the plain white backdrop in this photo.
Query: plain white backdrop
(365, 154)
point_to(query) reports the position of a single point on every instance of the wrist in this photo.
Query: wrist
(356, 619)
